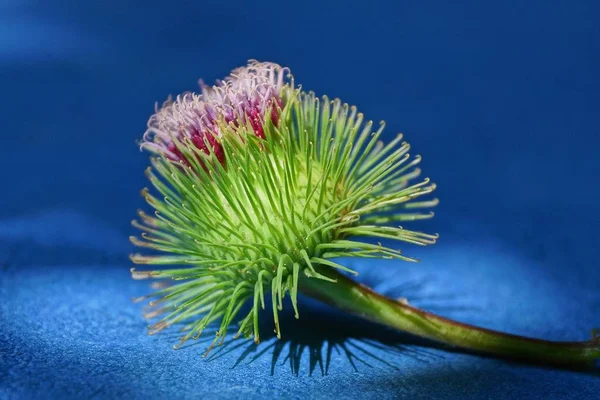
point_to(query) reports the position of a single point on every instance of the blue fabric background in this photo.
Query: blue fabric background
(501, 99)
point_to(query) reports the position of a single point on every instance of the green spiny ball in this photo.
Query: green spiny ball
(259, 184)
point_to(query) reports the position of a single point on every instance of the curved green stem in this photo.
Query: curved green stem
(358, 299)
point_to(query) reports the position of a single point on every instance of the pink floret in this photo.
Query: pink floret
(243, 98)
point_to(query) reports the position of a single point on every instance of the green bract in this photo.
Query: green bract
(250, 222)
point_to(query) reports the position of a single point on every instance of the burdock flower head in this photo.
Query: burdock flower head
(260, 189)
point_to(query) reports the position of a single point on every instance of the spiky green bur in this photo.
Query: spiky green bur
(272, 204)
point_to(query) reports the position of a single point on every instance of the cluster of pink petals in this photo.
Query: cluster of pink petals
(242, 99)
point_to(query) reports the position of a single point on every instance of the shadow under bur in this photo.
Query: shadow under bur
(322, 331)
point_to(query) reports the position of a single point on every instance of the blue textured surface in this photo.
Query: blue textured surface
(502, 101)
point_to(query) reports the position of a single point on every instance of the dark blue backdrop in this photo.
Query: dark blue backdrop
(501, 99)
